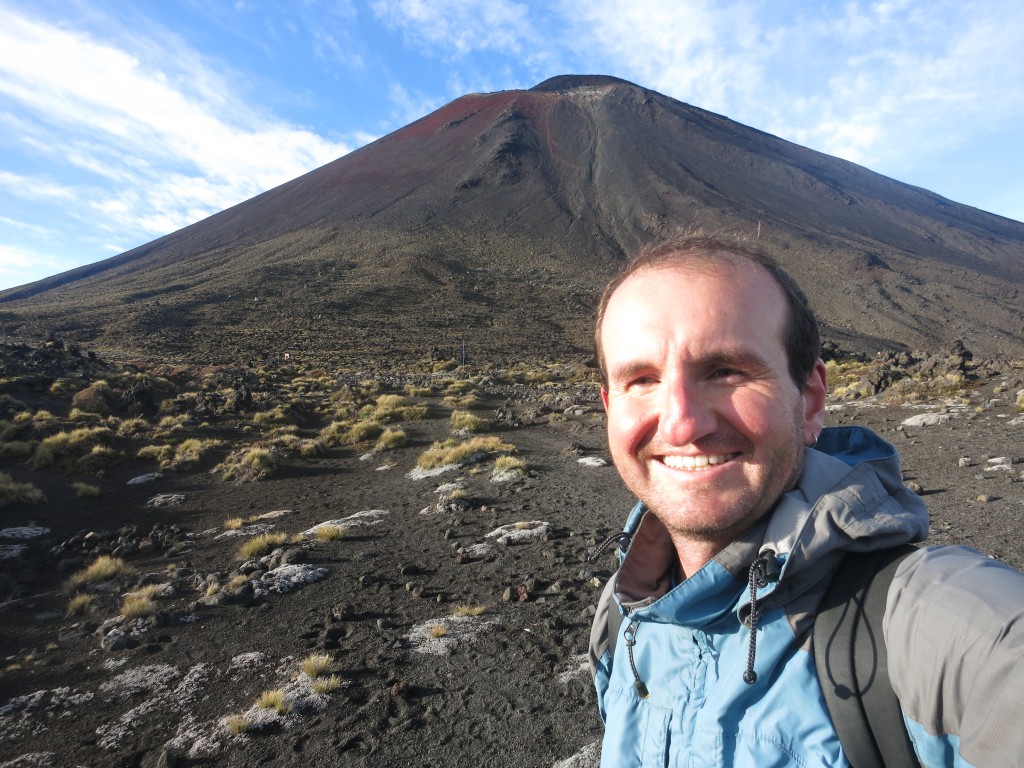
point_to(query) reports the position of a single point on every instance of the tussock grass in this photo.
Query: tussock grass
(161, 453)
(413, 391)
(362, 431)
(137, 606)
(506, 463)
(324, 685)
(79, 415)
(390, 439)
(925, 389)
(11, 491)
(79, 603)
(237, 724)
(85, 491)
(469, 610)
(134, 427)
(274, 700)
(317, 664)
(437, 630)
(390, 408)
(77, 441)
(248, 465)
(190, 452)
(233, 523)
(331, 532)
(261, 545)
(103, 568)
(42, 416)
(467, 421)
(454, 452)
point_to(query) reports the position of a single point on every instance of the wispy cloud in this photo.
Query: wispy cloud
(34, 188)
(153, 116)
(457, 27)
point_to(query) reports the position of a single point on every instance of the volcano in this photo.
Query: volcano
(492, 224)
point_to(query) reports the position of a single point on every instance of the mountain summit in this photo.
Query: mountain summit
(495, 221)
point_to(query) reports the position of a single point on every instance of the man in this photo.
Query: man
(715, 398)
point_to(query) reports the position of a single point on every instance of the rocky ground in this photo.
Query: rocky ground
(408, 617)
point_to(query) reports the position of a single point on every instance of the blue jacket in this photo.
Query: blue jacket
(953, 628)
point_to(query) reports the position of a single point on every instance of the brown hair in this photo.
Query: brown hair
(801, 337)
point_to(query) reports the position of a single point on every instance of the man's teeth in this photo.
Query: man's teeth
(695, 462)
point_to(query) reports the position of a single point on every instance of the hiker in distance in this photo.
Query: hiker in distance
(705, 647)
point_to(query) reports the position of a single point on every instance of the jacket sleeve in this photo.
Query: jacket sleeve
(954, 631)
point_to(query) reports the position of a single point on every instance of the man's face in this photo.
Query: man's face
(705, 424)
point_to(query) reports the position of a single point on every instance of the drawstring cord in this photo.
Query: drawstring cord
(630, 636)
(763, 571)
(622, 539)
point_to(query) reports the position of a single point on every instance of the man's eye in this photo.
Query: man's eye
(725, 373)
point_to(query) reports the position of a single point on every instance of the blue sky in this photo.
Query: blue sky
(123, 121)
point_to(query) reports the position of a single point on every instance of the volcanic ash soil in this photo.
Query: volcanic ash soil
(409, 617)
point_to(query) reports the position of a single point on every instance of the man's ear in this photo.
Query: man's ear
(604, 399)
(813, 393)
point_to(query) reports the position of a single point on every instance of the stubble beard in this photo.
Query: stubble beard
(708, 525)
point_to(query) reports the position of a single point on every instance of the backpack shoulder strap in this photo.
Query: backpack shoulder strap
(851, 659)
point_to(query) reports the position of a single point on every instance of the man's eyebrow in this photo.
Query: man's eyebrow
(739, 357)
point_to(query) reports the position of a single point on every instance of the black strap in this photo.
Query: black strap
(849, 652)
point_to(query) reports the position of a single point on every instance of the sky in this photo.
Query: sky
(125, 120)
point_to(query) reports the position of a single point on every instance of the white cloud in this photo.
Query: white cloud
(154, 118)
(457, 27)
(34, 188)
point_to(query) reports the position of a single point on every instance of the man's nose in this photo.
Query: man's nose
(686, 414)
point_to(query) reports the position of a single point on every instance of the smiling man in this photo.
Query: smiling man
(715, 399)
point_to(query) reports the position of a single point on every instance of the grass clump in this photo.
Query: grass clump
(237, 724)
(11, 491)
(103, 568)
(16, 449)
(248, 465)
(324, 685)
(85, 491)
(274, 700)
(413, 391)
(317, 664)
(331, 532)
(389, 439)
(137, 605)
(467, 421)
(437, 630)
(133, 427)
(261, 545)
(77, 441)
(79, 603)
(233, 523)
(362, 431)
(190, 452)
(161, 453)
(507, 463)
(469, 610)
(441, 454)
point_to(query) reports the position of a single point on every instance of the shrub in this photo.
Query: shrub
(103, 568)
(85, 491)
(390, 438)
(11, 491)
(467, 421)
(261, 545)
(454, 452)
(94, 399)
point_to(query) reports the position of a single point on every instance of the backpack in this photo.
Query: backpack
(851, 660)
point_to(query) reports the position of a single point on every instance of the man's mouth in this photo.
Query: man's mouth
(699, 462)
